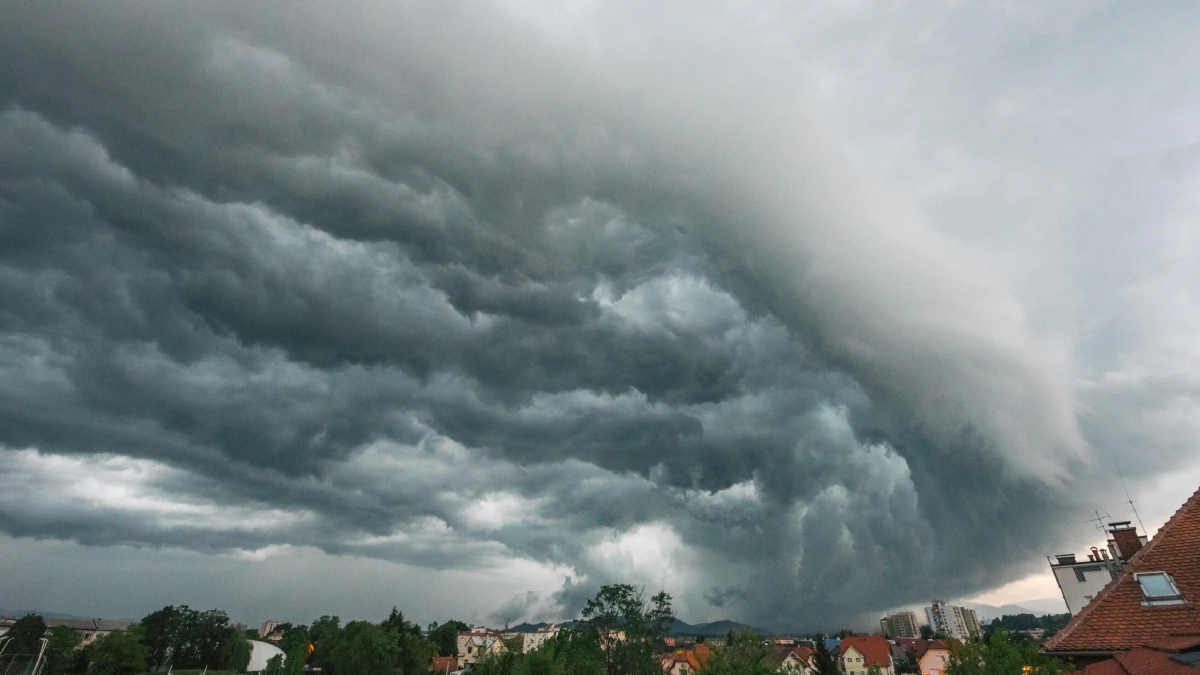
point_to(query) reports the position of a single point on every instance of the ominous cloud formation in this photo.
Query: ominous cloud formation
(418, 283)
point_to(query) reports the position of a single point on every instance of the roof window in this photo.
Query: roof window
(1158, 588)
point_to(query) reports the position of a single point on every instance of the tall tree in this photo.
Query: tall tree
(61, 643)
(121, 652)
(445, 636)
(297, 645)
(630, 628)
(324, 632)
(822, 659)
(190, 639)
(998, 656)
(364, 648)
(26, 633)
(161, 633)
(743, 654)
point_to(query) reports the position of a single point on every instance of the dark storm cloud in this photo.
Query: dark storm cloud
(402, 283)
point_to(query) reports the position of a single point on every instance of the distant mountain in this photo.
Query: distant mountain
(713, 628)
(527, 627)
(18, 613)
(1036, 607)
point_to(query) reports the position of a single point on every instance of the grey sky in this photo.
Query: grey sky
(799, 313)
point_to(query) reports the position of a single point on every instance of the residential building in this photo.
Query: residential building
(686, 661)
(680, 662)
(89, 629)
(1142, 612)
(969, 620)
(267, 627)
(443, 665)
(1082, 580)
(474, 645)
(860, 652)
(901, 625)
(932, 657)
(535, 640)
(953, 621)
(797, 660)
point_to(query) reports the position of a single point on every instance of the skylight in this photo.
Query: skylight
(1159, 589)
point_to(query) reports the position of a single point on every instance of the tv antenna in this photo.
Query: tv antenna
(1129, 499)
(1099, 520)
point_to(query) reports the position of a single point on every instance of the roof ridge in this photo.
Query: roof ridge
(1126, 572)
(1194, 500)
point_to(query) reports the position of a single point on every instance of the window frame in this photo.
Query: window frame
(1159, 600)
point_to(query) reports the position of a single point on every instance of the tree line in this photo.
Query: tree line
(620, 632)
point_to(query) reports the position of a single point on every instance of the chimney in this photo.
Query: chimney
(1127, 539)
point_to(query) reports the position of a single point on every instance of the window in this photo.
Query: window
(1159, 589)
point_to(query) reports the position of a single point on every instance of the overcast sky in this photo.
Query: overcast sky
(799, 311)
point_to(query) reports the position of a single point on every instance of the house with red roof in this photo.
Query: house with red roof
(1147, 611)
(443, 665)
(680, 662)
(796, 660)
(860, 652)
(932, 656)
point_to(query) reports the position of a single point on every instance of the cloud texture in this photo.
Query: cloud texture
(420, 284)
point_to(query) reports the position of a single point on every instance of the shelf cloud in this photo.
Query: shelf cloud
(462, 288)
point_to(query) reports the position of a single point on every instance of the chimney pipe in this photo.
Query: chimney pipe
(1127, 539)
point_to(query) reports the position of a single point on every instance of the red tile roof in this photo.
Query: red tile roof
(680, 655)
(1153, 659)
(925, 645)
(802, 653)
(443, 664)
(1116, 620)
(875, 649)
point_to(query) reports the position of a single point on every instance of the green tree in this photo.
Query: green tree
(445, 636)
(567, 653)
(191, 639)
(926, 633)
(274, 666)
(845, 633)
(414, 650)
(578, 652)
(26, 634)
(61, 643)
(121, 652)
(231, 651)
(324, 632)
(297, 645)
(743, 654)
(630, 628)
(415, 653)
(822, 660)
(80, 660)
(364, 648)
(998, 656)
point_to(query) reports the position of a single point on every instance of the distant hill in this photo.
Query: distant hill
(1036, 607)
(713, 628)
(18, 613)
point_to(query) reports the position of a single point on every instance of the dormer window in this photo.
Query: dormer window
(1158, 588)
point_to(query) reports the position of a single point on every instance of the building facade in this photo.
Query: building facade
(1080, 581)
(901, 625)
(860, 652)
(952, 620)
(477, 644)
